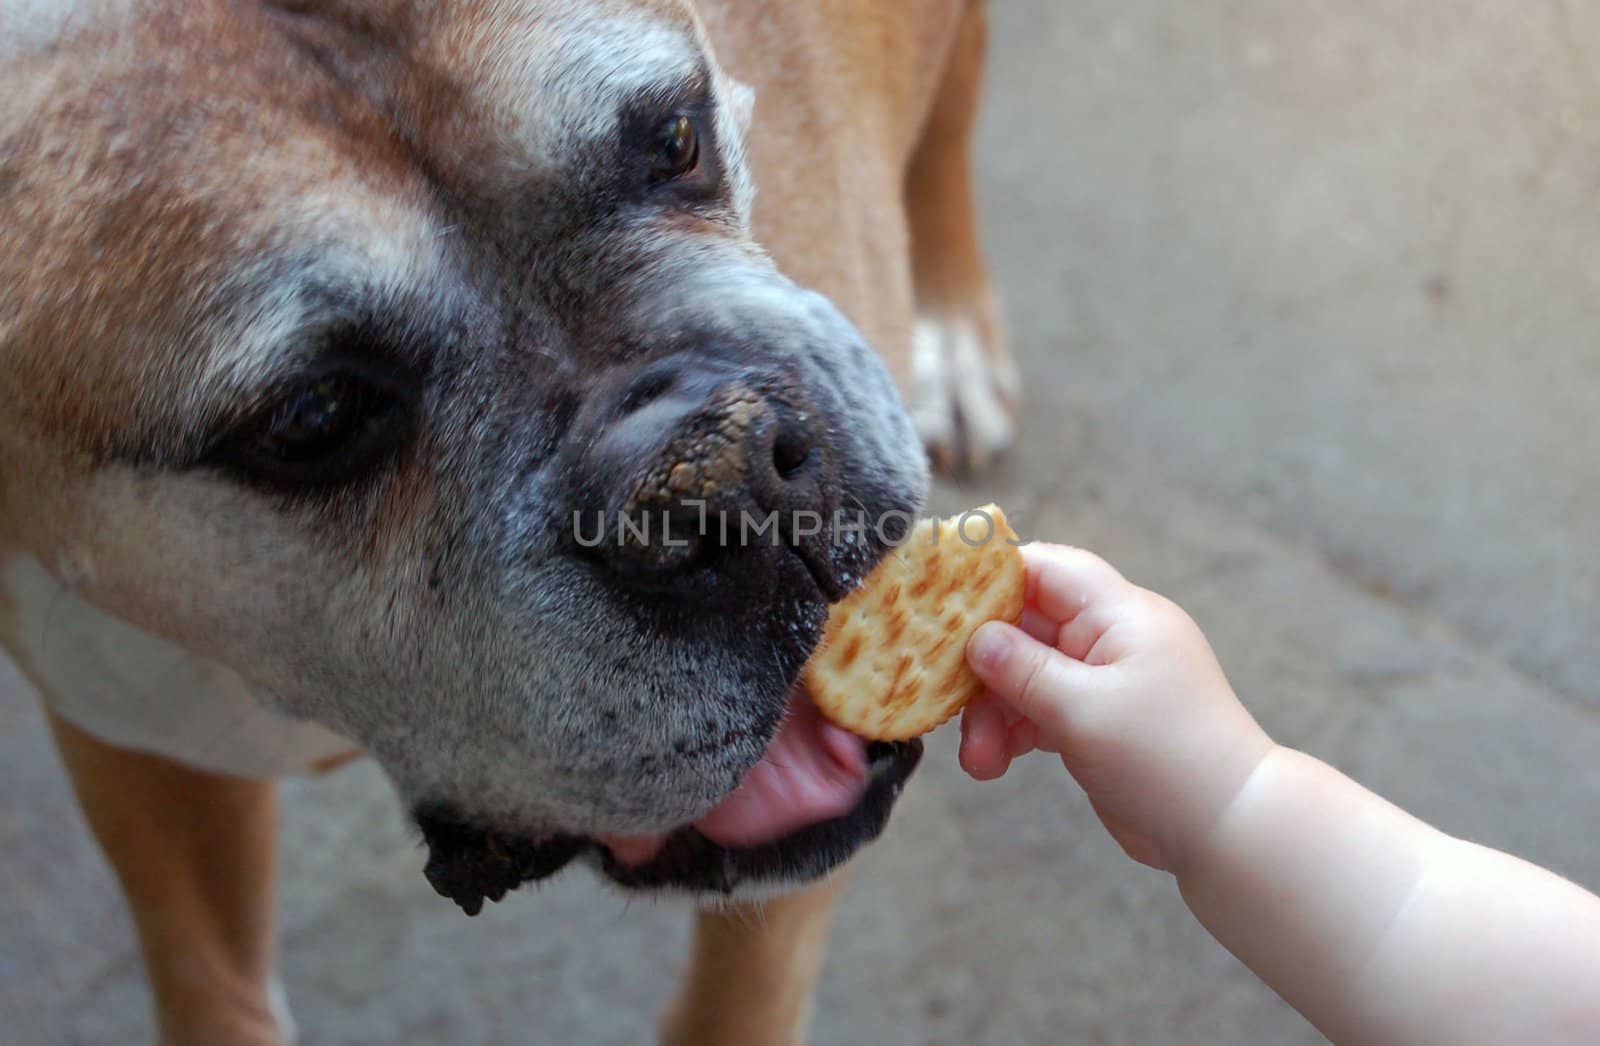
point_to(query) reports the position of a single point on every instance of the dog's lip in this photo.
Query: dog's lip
(823, 575)
(471, 865)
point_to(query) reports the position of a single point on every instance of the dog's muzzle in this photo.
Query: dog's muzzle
(702, 488)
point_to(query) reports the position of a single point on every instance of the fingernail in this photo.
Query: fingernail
(989, 648)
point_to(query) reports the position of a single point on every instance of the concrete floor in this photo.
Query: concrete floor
(1307, 305)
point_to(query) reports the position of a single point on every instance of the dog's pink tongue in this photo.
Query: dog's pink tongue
(812, 772)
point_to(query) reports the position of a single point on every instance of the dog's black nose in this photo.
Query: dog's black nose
(693, 466)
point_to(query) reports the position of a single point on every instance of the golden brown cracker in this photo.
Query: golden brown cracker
(892, 663)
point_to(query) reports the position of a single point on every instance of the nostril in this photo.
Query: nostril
(645, 390)
(791, 451)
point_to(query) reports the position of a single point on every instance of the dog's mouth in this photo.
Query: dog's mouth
(811, 772)
(817, 795)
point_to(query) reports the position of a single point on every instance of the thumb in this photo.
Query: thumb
(1037, 681)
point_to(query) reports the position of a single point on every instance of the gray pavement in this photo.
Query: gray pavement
(1306, 303)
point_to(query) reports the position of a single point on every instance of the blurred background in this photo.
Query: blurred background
(1306, 300)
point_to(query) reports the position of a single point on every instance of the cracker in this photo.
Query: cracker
(892, 663)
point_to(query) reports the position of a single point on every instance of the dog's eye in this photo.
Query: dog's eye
(677, 150)
(329, 430)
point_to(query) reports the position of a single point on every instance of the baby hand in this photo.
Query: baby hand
(1121, 683)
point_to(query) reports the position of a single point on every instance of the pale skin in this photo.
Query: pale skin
(1374, 925)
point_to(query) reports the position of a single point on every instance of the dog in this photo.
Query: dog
(345, 346)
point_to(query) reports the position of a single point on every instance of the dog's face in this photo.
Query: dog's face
(338, 344)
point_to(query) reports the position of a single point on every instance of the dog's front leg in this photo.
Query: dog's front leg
(753, 970)
(964, 388)
(195, 855)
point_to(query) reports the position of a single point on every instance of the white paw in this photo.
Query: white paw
(963, 394)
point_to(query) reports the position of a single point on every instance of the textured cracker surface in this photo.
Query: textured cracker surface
(892, 663)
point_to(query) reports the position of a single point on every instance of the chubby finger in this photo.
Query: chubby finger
(1036, 681)
(983, 752)
(1064, 581)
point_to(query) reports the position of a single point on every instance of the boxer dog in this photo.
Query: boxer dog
(339, 342)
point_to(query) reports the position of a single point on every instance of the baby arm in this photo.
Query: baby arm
(1379, 928)
(1375, 926)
